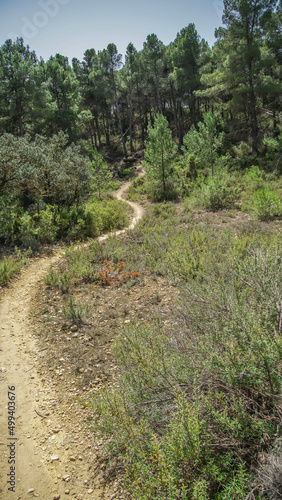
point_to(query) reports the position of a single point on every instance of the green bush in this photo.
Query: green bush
(156, 192)
(78, 267)
(46, 224)
(136, 189)
(45, 169)
(196, 404)
(266, 204)
(243, 156)
(187, 170)
(10, 214)
(29, 234)
(51, 278)
(9, 266)
(216, 192)
(272, 153)
(105, 216)
(126, 172)
(254, 178)
(52, 223)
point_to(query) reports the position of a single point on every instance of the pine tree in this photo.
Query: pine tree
(17, 62)
(244, 20)
(159, 155)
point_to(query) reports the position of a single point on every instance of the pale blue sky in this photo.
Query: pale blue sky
(72, 26)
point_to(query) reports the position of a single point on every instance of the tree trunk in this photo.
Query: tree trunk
(21, 126)
(193, 108)
(140, 115)
(97, 131)
(180, 121)
(119, 119)
(163, 175)
(274, 120)
(130, 116)
(93, 132)
(158, 91)
(174, 109)
(107, 130)
(253, 113)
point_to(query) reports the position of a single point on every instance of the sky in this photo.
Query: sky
(69, 27)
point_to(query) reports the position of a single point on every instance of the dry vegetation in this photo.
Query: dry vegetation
(172, 333)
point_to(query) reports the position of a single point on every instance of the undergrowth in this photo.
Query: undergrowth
(11, 265)
(33, 228)
(196, 406)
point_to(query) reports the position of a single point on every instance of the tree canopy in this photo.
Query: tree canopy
(109, 102)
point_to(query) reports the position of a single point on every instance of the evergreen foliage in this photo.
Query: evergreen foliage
(101, 175)
(159, 156)
(196, 405)
(238, 80)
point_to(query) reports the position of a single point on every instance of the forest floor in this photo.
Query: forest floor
(48, 370)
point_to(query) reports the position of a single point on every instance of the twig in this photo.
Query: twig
(39, 414)
(45, 348)
(29, 369)
(251, 496)
(151, 402)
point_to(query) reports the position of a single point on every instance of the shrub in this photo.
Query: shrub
(269, 476)
(273, 152)
(155, 190)
(51, 278)
(243, 155)
(266, 204)
(28, 230)
(196, 404)
(114, 215)
(126, 172)
(136, 189)
(10, 214)
(187, 170)
(46, 224)
(9, 266)
(109, 273)
(76, 222)
(105, 216)
(216, 191)
(254, 177)
(45, 168)
(75, 310)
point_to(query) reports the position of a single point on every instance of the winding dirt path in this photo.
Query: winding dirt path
(37, 448)
(138, 209)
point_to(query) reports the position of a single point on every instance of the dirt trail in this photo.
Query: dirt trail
(42, 437)
(138, 209)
